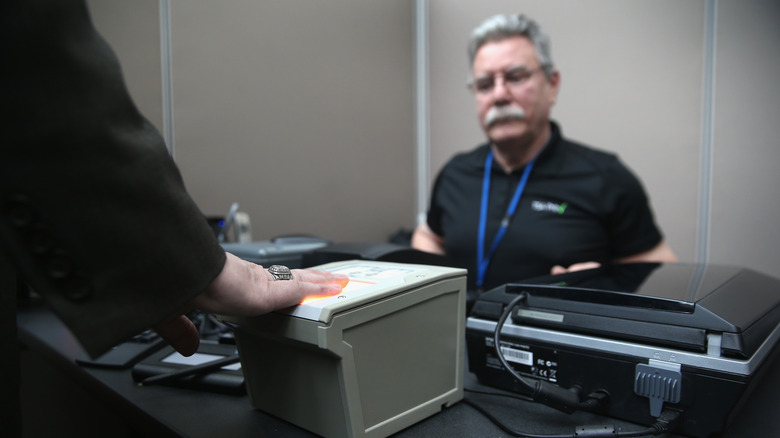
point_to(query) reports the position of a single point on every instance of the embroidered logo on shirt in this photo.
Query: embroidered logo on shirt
(549, 206)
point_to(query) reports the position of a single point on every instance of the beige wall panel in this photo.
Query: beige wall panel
(133, 31)
(746, 181)
(300, 111)
(303, 111)
(631, 83)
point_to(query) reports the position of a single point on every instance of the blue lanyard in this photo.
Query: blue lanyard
(483, 260)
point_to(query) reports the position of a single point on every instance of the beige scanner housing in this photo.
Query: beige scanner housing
(385, 354)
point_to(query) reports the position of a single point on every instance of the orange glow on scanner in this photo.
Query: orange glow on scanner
(351, 286)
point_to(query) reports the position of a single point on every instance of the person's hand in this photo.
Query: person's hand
(247, 289)
(557, 269)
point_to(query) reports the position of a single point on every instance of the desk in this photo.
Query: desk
(165, 411)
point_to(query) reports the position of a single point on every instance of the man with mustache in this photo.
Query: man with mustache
(529, 202)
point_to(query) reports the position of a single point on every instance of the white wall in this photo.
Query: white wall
(746, 180)
(133, 30)
(300, 111)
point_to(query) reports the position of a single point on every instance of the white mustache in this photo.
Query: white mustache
(498, 113)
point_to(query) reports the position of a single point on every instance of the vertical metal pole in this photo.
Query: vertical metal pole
(421, 107)
(167, 74)
(708, 115)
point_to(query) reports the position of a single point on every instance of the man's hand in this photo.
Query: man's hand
(247, 289)
(424, 239)
(661, 253)
(557, 269)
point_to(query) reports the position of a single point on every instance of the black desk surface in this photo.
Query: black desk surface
(160, 410)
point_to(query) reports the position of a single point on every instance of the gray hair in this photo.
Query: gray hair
(501, 27)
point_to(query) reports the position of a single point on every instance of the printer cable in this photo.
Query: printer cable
(565, 400)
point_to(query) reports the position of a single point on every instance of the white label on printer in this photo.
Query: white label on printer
(544, 316)
(517, 356)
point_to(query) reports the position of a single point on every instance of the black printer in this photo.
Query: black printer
(689, 337)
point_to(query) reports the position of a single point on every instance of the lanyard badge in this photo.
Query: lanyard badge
(483, 260)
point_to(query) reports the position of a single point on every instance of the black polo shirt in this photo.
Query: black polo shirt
(580, 204)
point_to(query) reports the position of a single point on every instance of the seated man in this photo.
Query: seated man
(529, 202)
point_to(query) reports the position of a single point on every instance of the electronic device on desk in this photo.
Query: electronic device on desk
(285, 250)
(168, 367)
(137, 348)
(676, 340)
(126, 354)
(384, 354)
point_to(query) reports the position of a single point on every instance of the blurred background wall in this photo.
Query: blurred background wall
(304, 112)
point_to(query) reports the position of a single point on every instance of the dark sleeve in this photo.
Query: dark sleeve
(631, 223)
(93, 211)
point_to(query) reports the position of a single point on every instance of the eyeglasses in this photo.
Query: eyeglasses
(513, 78)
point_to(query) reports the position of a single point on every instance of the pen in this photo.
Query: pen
(190, 371)
(228, 222)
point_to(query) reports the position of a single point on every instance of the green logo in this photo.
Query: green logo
(550, 207)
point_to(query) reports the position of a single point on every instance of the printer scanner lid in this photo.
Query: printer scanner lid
(671, 304)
